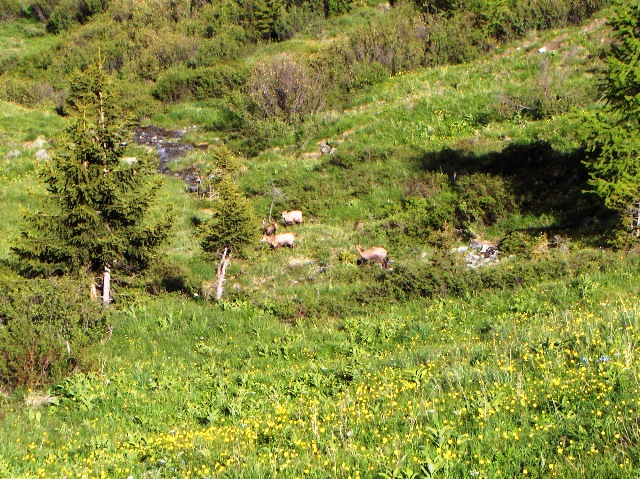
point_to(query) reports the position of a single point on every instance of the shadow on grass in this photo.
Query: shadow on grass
(545, 182)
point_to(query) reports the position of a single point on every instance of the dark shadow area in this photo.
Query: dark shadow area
(544, 181)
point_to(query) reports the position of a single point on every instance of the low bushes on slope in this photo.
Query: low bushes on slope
(46, 326)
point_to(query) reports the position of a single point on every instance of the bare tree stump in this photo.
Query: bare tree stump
(222, 271)
(106, 287)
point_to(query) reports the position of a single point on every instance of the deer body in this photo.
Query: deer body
(284, 239)
(292, 217)
(269, 228)
(376, 253)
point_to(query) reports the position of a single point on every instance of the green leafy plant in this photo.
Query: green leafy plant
(611, 136)
(99, 213)
(231, 226)
(46, 327)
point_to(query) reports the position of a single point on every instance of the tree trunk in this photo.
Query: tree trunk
(93, 291)
(222, 271)
(106, 286)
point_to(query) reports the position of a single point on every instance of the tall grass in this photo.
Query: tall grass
(313, 366)
(483, 386)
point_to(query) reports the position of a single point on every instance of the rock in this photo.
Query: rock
(325, 148)
(12, 154)
(42, 155)
(129, 160)
(37, 143)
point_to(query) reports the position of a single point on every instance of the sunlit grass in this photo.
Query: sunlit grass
(479, 387)
(20, 38)
(295, 374)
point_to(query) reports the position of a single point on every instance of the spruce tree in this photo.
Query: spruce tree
(613, 142)
(233, 223)
(97, 217)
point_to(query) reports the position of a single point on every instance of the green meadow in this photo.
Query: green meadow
(314, 365)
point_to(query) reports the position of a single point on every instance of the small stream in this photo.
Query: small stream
(169, 146)
(167, 143)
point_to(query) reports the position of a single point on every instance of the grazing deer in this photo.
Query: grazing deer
(269, 227)
(292, 217)
(377, 253)
(284, 239)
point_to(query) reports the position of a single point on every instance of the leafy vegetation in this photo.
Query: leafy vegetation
(430, 128)
(612, 137)
(47, 327)
(97, 216)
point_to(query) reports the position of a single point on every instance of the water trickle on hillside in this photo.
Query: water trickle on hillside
(169, 146)
(167, 143)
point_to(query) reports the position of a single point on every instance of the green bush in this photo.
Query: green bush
(336, 7)
(10, 10)
(483, 199)
(70, 12)
(516, 242)
(41, 10)
(198, 84)
(416, 280)
(227, 45)
(425, 220)
(447, 275)
(512, 19)
(27, 92)
(63, 17)
(453, 40)
(46, 326)
(166, 275)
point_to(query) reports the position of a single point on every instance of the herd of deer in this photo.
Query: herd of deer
(289, 218)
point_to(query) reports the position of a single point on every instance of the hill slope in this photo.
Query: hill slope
(315, 366)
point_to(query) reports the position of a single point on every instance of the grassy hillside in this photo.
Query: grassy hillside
(315, 366)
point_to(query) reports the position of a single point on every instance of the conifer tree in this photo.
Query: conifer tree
(97, 216)
(613, 142)
(231, 228)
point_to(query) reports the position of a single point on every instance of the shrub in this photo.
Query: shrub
(336, 7)
(366, 74)
(516, 242)
(69, 12)
(395, 43)
(509, 20)
(46, 327)
(353, 155)
(41, 10)
(198, 84)
(443, 277)
(448, 276)
(453, 40)
(285, 89)
(28, 92)
(483, 199)
(168, 276)
(10, 10)
(425, 220)
(229, 44)
(63, 17)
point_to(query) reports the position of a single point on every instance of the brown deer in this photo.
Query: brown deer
(269, 227)
(377, 253)
(284, 239)
(292, 217)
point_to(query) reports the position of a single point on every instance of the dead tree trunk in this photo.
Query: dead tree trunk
(222, 271)
(106, 286)
(93, 291)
